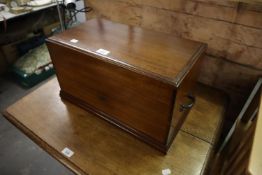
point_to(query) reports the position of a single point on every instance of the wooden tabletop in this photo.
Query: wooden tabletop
(101, 148)
(155, 54)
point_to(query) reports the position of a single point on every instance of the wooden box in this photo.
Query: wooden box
(137, 79)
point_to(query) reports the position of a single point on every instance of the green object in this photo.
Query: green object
(33, 79)
(33, 67)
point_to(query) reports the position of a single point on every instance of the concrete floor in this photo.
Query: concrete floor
(18, 154)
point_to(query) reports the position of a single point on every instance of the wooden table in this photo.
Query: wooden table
(101, 148)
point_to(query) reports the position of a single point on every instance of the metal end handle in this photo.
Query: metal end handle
(184, 107)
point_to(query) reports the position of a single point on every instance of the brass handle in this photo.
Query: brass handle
(184, 107)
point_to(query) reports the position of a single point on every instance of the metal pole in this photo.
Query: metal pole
(60, 16)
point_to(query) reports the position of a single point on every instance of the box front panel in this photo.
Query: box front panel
(138, 101)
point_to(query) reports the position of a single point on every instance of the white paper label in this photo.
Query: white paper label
(67, 152)
(103, 51)
(166, 172)
(73, 40)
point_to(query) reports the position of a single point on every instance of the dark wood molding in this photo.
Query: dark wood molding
(183, 73)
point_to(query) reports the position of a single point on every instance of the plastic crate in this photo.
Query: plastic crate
(28, 81)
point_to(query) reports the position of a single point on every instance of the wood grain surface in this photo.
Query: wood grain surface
(138, 101)
(155, 54)
(137, 85)
(101, 148)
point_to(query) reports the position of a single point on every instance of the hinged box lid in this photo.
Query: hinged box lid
(158, 55)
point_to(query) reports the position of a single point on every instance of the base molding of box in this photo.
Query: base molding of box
(137, 134)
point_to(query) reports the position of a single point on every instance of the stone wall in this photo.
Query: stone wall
(233, 31)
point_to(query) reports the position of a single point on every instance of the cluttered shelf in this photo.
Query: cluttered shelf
(7, 14)
(23, 52)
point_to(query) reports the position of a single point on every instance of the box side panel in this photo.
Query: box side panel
(185, 96)
(137, 101)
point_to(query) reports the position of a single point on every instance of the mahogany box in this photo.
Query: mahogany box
(137, 79)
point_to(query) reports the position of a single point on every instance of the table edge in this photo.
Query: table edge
(45, 146)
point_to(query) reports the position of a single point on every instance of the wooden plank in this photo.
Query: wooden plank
(202, 29)
(226, 79)
(225, 3)
(159, 20)
(234, 52)
(224, 40)
(249, 18)
(118, 11)
(99, 148)
(217, 10)
(234, 79)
